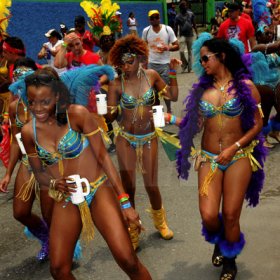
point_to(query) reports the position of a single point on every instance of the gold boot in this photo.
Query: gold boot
(134, 236)
(160, 223)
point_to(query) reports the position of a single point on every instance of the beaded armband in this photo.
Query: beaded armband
(92, 133)
(162, 92)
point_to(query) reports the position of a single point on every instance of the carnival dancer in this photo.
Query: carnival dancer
(270, 82)
(26, 188)
(230, 163)
(104, 23)
(4, 72)
(137, 146)
(61, 140)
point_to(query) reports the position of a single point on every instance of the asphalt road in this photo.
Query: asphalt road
(186, 256)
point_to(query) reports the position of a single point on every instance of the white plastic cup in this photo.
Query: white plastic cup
(101, 102)
(158, 116)
(78, 196)
(19, 140)
(278, 32)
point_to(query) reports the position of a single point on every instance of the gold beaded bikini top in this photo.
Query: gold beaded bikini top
(4, 71)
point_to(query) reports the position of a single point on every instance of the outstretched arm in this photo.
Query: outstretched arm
(14, 151)
(89, 128)
(113, 100)
(168, 91)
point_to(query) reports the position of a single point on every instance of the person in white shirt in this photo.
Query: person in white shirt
(161, 40)
(50, 48)
(132, 23)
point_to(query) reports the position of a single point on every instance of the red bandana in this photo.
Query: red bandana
(8, 48)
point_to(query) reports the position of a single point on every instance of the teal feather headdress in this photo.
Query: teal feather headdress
(81, 80)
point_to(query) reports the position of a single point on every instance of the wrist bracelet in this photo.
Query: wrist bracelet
(238, 145)
(126, 205)
(173, 119)
(172, 76)
(123, 195)
(5, 115)
(266, 47)
(64, 44)
(123, 199)
(168, 118)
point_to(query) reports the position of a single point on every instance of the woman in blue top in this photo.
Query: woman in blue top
(63, 140)
(225, 104)
(136, 90)
(25, 187)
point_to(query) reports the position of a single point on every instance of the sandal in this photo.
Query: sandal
(217, 257)
(275, 135)
(268, 144)
(229, 269)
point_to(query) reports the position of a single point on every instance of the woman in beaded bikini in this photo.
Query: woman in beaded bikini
(25, 185)
(226, 104)
(136, 143)
(62, 139)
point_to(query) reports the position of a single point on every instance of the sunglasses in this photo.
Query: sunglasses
(206, 57)
(154, 17)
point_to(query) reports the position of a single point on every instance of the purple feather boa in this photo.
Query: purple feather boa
(232, 249)
(213, 237)
(189, 128)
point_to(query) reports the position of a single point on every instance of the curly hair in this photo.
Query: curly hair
(128, 44)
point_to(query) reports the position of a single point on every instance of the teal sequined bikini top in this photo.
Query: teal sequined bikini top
(70, 146)
(232, 108)
(19, 123)
(130, 102)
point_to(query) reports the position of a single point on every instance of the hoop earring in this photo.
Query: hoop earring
(139, 72)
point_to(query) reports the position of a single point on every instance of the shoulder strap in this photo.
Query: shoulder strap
(166, 29)
(122, 80)
(146, 77)
(34, 129)
(146, 35)
(68, 121)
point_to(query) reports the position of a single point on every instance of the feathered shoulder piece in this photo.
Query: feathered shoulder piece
(261, 14)
(197, 44)
(5, 5)
(81, 80)
(102, 19)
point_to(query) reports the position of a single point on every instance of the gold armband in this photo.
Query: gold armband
(162, 92)
(92, 133)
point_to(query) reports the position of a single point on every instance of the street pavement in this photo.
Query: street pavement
(186, 256)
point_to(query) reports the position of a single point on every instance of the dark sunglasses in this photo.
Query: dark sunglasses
(39, 79)
(206, 57)
(154, 17)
